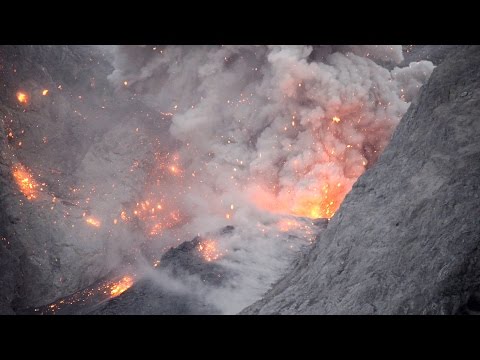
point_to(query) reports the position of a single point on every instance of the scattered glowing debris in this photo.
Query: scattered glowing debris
(156, 229)
(209, 250)
(22, 97)
(123, 215)
(92, 221)
(119, 287)
(45, 92)
(25, 181)
(285, 225)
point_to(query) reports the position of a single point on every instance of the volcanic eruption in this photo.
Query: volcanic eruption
(180, 142)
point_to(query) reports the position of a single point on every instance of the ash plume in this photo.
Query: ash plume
(265, 131)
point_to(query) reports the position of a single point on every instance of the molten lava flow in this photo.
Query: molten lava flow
(22, 97)
(92, 221)
(25, 181)
(209, 250)
(119, 287)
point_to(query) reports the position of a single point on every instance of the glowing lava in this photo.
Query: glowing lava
(119, 287)
(25, 181)
(336, 119)
(209, 250)
(22, 97)
(322, 203)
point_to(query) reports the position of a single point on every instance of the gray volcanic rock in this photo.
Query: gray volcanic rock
(406, 238)
(148, 298)
(79, 136)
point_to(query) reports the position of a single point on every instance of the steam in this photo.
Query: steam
(265, 130)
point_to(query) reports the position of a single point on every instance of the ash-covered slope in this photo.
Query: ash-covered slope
(79, 139)
(163, 292)
(406, 238)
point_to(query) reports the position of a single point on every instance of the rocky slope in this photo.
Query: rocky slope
(77, 140)
(406, 238)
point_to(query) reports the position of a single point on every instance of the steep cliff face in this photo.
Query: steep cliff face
(406, 238)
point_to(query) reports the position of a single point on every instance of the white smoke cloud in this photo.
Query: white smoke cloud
(267, 130)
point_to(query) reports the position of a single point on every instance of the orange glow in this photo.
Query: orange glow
(25, 181)
(323, 203)
(45, 92)
(22, 97)
(92, 221)
(121, 286)
(209, 250)
(336, 119)
(175, 170)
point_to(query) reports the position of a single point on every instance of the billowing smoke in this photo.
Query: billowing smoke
(264, 130)
(289, 128)
(182, 141)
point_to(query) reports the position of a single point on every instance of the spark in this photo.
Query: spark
(336, 119)
(22, 97)
(45, 92)
(285, 225)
